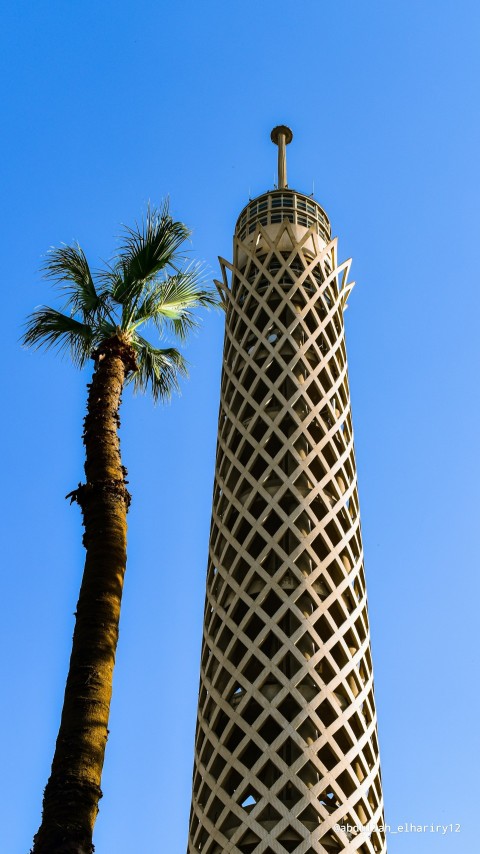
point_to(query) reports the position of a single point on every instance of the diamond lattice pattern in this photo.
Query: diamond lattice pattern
(286, 753)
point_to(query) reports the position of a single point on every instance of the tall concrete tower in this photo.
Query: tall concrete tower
(286, 751)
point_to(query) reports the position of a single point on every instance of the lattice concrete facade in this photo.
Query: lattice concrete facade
(286, 744)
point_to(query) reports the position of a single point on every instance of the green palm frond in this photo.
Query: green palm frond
(49, 329)
(170, 303)
(109, 280)
(146, 283)
(104, 329)
(68, 267)
(146, 250)
(158, 370)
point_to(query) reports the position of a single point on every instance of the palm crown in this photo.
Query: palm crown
(144, 285)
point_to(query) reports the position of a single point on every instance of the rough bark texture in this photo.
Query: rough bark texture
(71, 797)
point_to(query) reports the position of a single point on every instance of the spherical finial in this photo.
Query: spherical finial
(285, 131)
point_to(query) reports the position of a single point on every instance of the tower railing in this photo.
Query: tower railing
(280, 205)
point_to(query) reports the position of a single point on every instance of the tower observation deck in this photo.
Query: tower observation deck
(286, 751)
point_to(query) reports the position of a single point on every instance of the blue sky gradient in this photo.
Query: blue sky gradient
(106, 106)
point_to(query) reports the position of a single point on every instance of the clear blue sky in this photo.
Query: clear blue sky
(107, 105)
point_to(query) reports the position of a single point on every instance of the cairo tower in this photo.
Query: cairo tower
(286, 750)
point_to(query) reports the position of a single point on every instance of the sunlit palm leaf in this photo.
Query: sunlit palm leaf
(170, 303)
(135, 289)
(104, 330)
(68, 267)
(158, 370)
(109, 280)
(146, 250)
(51, 329)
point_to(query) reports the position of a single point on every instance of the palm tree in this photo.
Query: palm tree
(146, 284)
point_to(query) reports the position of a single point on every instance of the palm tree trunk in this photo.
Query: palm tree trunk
(70, 803)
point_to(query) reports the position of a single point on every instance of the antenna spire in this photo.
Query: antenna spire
(282, 136)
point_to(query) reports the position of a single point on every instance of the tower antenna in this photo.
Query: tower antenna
(282, 136)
